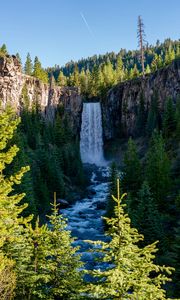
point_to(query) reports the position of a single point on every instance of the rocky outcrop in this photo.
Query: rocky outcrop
(48, 97)
(121, 105)
(119, 108)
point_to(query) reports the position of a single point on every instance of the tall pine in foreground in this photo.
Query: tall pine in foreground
(132, 273)
(10, 208)
(66, 281)
(36, 262)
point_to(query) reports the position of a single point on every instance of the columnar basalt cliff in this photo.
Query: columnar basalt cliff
(121, 105)
(119, 108)
(48, 97)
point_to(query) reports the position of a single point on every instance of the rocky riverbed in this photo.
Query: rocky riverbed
(85, 216)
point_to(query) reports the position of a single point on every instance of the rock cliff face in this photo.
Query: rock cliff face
(121, 106)
(12, 81)
(119, 109)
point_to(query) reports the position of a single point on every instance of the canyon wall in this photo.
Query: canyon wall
(121, 105)
(119, 108)
(48, 97)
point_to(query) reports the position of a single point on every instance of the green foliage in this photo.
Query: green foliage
(19, 58)
(39, 72)
(119, 69)
(46, 262)
(175, 248)
(66, 281)
(132, 175)
(10, 204)
(148, 69)
(153, 120)
(158, 170)
(3, 50)
(157, 62)
(169, 120)
(132, 273)
(62, 80)
(113, 68)
(169, 55)
(7, 278)
(177, 118)
(35, 262)
(141, 117)
(147, 219)
(53, 154)
(94, 82)
(28, 67)
(112, 190)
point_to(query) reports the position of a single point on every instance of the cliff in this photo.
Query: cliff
(119, 109)
(48, 97)
(121, 105)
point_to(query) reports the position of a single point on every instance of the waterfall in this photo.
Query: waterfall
(91, 140)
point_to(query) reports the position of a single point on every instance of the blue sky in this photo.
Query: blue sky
(60, 30)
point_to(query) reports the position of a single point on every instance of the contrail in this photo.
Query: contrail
(87, 25)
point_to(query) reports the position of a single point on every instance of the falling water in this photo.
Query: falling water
(91, 141)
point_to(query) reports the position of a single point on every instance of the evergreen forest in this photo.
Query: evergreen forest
(41, 169)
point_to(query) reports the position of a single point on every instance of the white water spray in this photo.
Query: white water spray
(91, 140)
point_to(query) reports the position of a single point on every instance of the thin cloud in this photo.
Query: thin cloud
(87, 25)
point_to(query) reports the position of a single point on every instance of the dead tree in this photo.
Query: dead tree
(141, 41)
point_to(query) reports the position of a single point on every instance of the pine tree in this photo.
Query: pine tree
(7, 278)
(141, 117)
(11, 208)
(136, 72)
(158, 170)
(26, 185)
(153, 119)
(147, 218)
(157, 62)
(62, 80)
(94, 82)
(108, 74)
(148, 69)
(39, 72)
(48, 268)
(3, 50)
(169, 121)
(176, 260)
(28, 67)
(33, 263)
(10, 204)
(132, 169)
(119, 69)
(112, 190)
(76, 76)
(169, 55)
(129, 275)
(177, 118)
(141, 41)
(66, 281)
(83, 82)
(19, 58)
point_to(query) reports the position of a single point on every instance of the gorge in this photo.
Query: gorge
(119, 108)
(58, 120)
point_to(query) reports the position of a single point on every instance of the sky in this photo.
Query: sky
(58, 31)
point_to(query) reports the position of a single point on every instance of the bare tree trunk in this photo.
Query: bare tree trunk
(141, 35)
